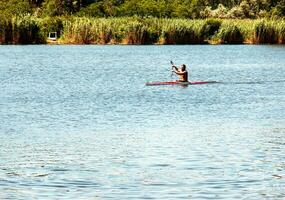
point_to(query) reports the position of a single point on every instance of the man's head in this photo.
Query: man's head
(183, 67)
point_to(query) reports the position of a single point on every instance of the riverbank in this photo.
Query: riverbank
(83, 30)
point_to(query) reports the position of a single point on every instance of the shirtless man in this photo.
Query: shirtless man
(181, 72)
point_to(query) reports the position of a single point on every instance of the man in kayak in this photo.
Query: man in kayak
(181, 72)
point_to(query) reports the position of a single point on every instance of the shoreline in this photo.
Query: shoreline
(121, 44)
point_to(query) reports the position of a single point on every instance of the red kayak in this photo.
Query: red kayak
(179, 83)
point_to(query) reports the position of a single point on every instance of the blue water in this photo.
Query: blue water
(78, 122)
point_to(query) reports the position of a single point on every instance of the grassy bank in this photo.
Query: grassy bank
(82, 30)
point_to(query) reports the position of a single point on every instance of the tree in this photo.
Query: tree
(14, 7)
(36, 2)
(279, 9)
(60, 7)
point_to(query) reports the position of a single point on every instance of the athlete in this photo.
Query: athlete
(181, 72)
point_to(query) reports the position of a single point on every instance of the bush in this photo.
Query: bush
(279, 9)
(206, 13)
(220, 12)
(236, 12)
(12, 8)
(93, 10)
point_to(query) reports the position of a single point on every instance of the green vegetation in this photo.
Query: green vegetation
(143, 21)
(229, 34)
(82, 30)
(21, 30)
(265, 32)
(161, 8)
(134, 30)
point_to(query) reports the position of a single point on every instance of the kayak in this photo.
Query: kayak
(179, 83)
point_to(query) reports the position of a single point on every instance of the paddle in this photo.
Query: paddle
(171, 68)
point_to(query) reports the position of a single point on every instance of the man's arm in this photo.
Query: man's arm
(179, 73)
(174, 68)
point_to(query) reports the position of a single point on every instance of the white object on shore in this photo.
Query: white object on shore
(52, 36)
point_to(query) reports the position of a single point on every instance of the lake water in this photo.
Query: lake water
(78, 122)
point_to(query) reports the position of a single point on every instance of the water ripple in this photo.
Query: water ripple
(78, 122)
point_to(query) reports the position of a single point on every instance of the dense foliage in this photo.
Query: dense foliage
(143, 21)
(135, 30)
(147, 8)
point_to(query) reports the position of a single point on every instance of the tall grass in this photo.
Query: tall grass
(281, 32)
(229, 33)
(20, 30)
(90, 31)
(78, 31)
(182, 32)
(6, 31)
(135, 30)
(137, 33)
(265, 33)
(246, 28)
(210, 28)
(172, 31)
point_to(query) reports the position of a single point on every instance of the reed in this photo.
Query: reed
(265, 33)
(135, 30)
(143, 31)
(210, 28)
(136, 33)
(6, 31)
(77, 31)
(181, 32)
(229, 33)
(21, 30)
(108, 31)
(102, 31)
(169, 31)
(246, 28)
(88, 31)
(281, 32)
(154, 30)
(26, 30)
